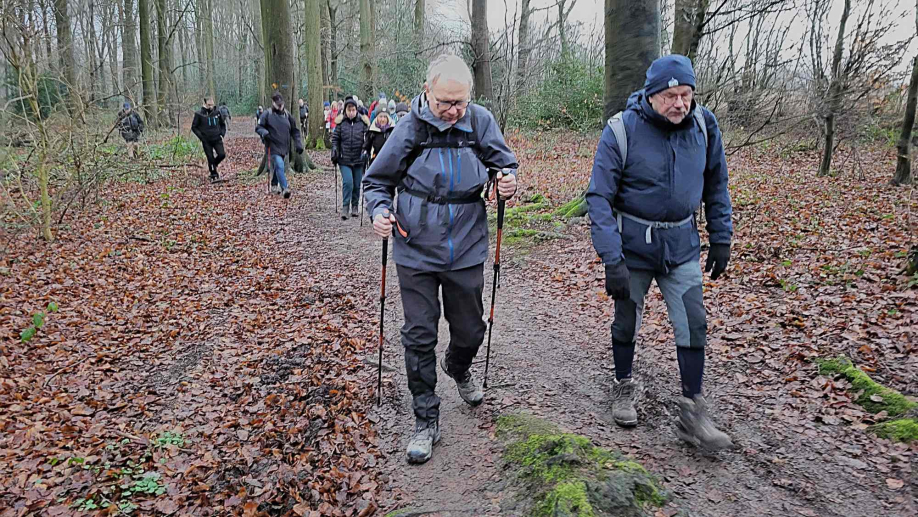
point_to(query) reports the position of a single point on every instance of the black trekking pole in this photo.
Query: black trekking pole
(336, 188)
(500, 230)
(382, 314)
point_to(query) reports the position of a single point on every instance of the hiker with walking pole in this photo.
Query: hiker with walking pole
(438, 160)
(210, 128)
(278, 130)
(657, 161)
(347, 154)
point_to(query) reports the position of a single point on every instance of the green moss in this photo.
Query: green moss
(902, 430)
(889, 400)
(566, 499)
(565, 474)
(576, 207)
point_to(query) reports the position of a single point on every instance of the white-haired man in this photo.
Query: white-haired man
(439, 160)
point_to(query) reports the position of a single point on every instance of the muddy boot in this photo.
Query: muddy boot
(426, 434)
(624, 396)
(695, 426)
(468, 388)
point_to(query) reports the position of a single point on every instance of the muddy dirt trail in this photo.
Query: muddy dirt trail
(551, 357)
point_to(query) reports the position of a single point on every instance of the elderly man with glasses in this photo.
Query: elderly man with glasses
(657, 162)
(439, 160)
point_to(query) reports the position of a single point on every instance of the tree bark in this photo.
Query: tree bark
(313, 57)
(280, 70)
(366, 50)
(210, 86)
(333, 51)
(481, 48)
(165, 59)
(632, 43)
(146, 63)
(689, 23)
(903, 174)
(325, 52)
(834, 101)
(65, 51)
(419, 11)
(129, 68)
(522, 61)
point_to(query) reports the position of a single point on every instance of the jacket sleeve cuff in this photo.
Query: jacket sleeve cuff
(611, 259)
(380, 210)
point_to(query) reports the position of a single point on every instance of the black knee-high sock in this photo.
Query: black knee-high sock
(691, 368)
(623, 355)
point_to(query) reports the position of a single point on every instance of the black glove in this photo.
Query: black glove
(718, 256)
(299, 149)
(618, 281)
(334, 158)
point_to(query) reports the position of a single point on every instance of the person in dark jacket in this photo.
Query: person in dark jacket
(379, 132)
(401, 111)
(642, 199)
(225, 112)
(441, 210)
(258, 113)
(277, 128)
(131, 126)
(304, 116)
(347, 153)
(210, 128)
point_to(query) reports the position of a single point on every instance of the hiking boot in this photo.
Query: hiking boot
(695, 426)
(624, 396)
(468, 388)
(354, 212)
(344, 216)
(286, 193)
(426, 434)
(214, 178)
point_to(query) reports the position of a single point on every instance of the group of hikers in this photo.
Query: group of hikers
(657, 162)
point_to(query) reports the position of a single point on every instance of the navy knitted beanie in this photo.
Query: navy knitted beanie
(669, 71)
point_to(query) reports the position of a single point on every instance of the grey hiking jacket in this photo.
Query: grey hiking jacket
(451, 236)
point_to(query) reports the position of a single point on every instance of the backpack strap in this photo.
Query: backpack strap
(621, 136)
(699, 119)
(427, 140)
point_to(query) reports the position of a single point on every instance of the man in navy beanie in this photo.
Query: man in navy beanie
(657, 162)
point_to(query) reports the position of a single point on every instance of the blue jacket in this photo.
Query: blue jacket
(668, 174)
(441, 237)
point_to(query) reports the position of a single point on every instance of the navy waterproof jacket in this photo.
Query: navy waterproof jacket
(668, 173)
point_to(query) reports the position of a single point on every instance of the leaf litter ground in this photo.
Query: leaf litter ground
(210, 344)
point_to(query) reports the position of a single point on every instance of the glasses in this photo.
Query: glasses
(446, 106)
(670, 98)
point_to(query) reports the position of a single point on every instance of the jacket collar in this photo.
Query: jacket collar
(463, 124)
(662, 122)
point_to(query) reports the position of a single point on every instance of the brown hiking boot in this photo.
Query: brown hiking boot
(695, 426)
(624, 396)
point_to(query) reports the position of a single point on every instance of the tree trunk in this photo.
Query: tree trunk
(65, 51)
(834, 101)
(689, 23)
(129, 68)
(259, 45)
(481, 48)
(333, 51)
(419, 11)
(208, 14)
(165, 59)
(146, 63)
(313, 57)
(632, 43)
(280, 70)
(562, 30)
(904, 147)
(522, 62)
(324, 54)
(366, 50)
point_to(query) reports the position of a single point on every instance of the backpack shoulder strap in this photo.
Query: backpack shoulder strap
(621, 136)
(699, 119)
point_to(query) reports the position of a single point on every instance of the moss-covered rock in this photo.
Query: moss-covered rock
(576, 207)
(874, 397)
(562, 474)
(902, 430)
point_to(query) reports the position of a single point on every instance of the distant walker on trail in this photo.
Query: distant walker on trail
(278, 129)
(438, 159)
(131, 126)
(210, 128)
(657, 161)
(348, 154)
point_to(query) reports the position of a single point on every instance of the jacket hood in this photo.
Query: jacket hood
(340, 118)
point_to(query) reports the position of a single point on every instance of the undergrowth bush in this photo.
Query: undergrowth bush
(570, 97)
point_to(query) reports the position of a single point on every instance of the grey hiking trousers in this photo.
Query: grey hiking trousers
(462, 306)
(683, 293)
